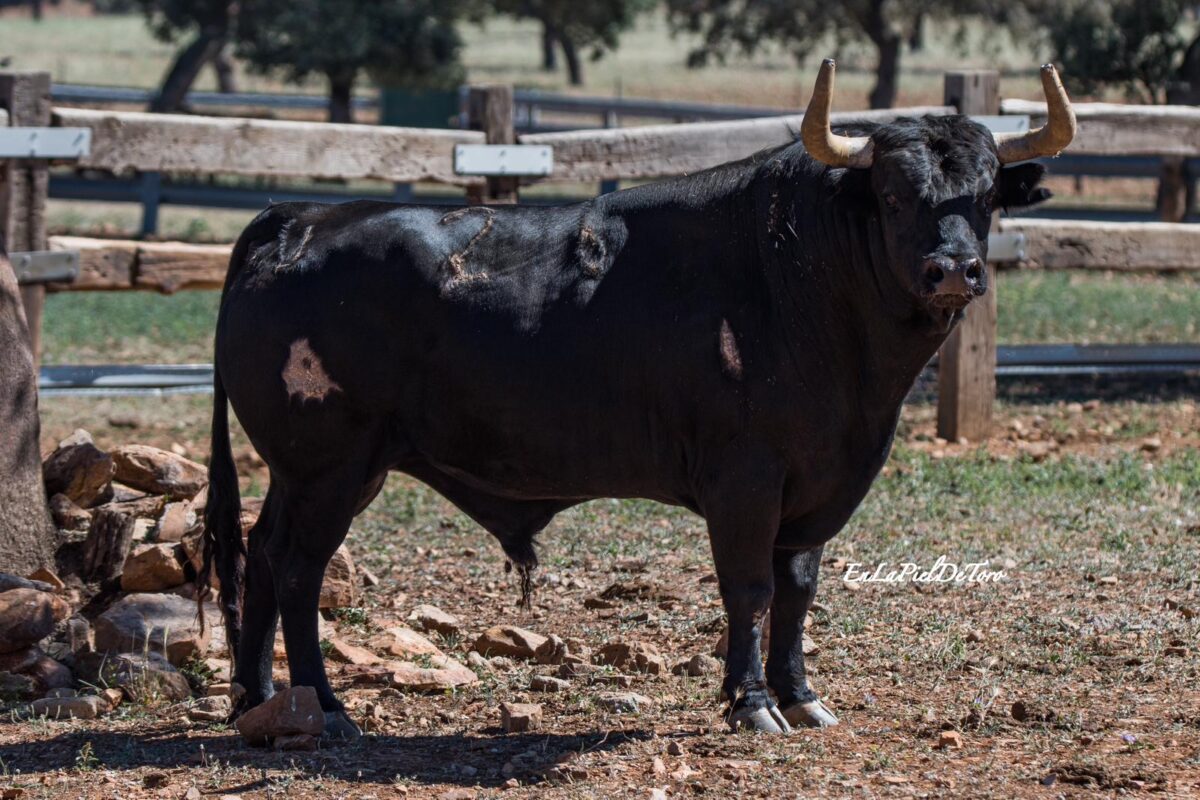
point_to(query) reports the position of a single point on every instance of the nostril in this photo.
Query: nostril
(934, 273)
(973, 269)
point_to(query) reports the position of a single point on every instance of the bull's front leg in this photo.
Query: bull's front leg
(795, 587)
(742, 527)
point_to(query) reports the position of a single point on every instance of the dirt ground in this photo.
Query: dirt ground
(1089, 507)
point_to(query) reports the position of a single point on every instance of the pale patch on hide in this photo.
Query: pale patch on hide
(457, 262)
(731, 357)
(290, 252)
(304, 375)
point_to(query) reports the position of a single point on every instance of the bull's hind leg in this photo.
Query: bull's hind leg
(315, 518)
(795, 588)
(260, 613)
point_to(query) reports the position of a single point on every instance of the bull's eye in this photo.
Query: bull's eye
(891, 201)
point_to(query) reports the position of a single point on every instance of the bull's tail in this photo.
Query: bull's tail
(222, 541)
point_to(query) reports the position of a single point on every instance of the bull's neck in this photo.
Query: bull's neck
(841, 309)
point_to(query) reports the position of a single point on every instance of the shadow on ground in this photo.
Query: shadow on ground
(474, 759)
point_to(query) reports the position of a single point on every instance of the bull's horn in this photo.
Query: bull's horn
(822, 143)
(1051, 138)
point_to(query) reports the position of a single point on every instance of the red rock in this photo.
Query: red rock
(520, 717)
(153, 568)
(176, 519)
(404, 643)
(146, 678)
(78, 470)
(290, 712)
(508, 640)
(28, 616)
(67, 515)
(88, 707)
(158, 471)
(340, 588)
(637, 656)
(346, 653)
(432, 618)
(952, 740)
(49, 674)
(443, 673)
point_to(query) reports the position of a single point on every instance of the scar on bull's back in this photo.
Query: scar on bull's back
(731, 357)
(304, 375)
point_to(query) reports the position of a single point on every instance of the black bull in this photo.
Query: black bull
(737, 342)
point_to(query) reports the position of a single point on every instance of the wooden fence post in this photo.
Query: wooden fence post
(1173, 189)
(967, 363)
(24, 185)
(490, 109)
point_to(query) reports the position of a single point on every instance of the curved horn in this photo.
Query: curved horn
(822, 143)
(1051, 138)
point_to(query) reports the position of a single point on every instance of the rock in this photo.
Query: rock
(146, 678)
(164, 623)
(622, 702)
(67, 515)
(15, 687)
(975, 636)
(950, 740)
(404, 643)
(19, 660)
(340, 588)
(599, 603)
(108, 542)
(346, 653)
(432, 618)
(214, 708)
(49, 674)
(9, 581)
(293, 711)
(155, 780)
(509, 640)
(637, 656)
(441, 674)
(48, 577)
(697, 665)
(88, 707)
(153, 568)
(1032, 711)
(176, 519)
(78, 470)
(158, 471)
(520, 717)
(552, 651)
(28, 616)
(478, 662)
(640, 589)
(113, 697)
(675, 749)
(808, 646)
(223, 689)
(545, 683)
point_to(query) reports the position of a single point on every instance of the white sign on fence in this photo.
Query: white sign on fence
(45, 142)
(503, 159)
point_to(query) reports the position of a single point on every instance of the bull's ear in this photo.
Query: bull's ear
(1017, 186)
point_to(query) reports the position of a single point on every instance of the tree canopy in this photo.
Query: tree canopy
(398, 42)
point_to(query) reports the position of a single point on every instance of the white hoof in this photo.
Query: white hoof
(812, 714)
(767, 720)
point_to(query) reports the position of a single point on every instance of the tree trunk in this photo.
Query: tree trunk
(183, 72)
(27, 537)
(574, 67)
(223, 66)
(887, 41)
(341, 91)
(36, 7)
(549, 51)
(916, 39)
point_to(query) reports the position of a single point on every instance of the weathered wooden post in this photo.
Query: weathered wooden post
(490, 109)
(24, 185)
(1173, 189)
(967, 363)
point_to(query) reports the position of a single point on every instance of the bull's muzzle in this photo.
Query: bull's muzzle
(953, 282)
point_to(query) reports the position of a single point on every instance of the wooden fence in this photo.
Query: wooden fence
(133, 142)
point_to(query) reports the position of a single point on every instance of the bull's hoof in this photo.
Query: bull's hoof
(810, 714)
(339, 727)
(767, 720)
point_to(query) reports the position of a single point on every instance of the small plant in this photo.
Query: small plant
(356, 617)
(326, 647)
(198, 673)
(86, 759)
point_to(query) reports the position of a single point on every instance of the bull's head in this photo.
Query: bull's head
(936, 181)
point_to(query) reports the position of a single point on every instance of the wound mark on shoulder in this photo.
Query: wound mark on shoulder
(288, 259)
(304, 375)
(591, 251)
(457, 262)
(731, 357)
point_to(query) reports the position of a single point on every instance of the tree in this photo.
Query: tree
(208, 22)
(800, 25)
(399, 42)
(26, 533)
(575, 26)
(1137, 45)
